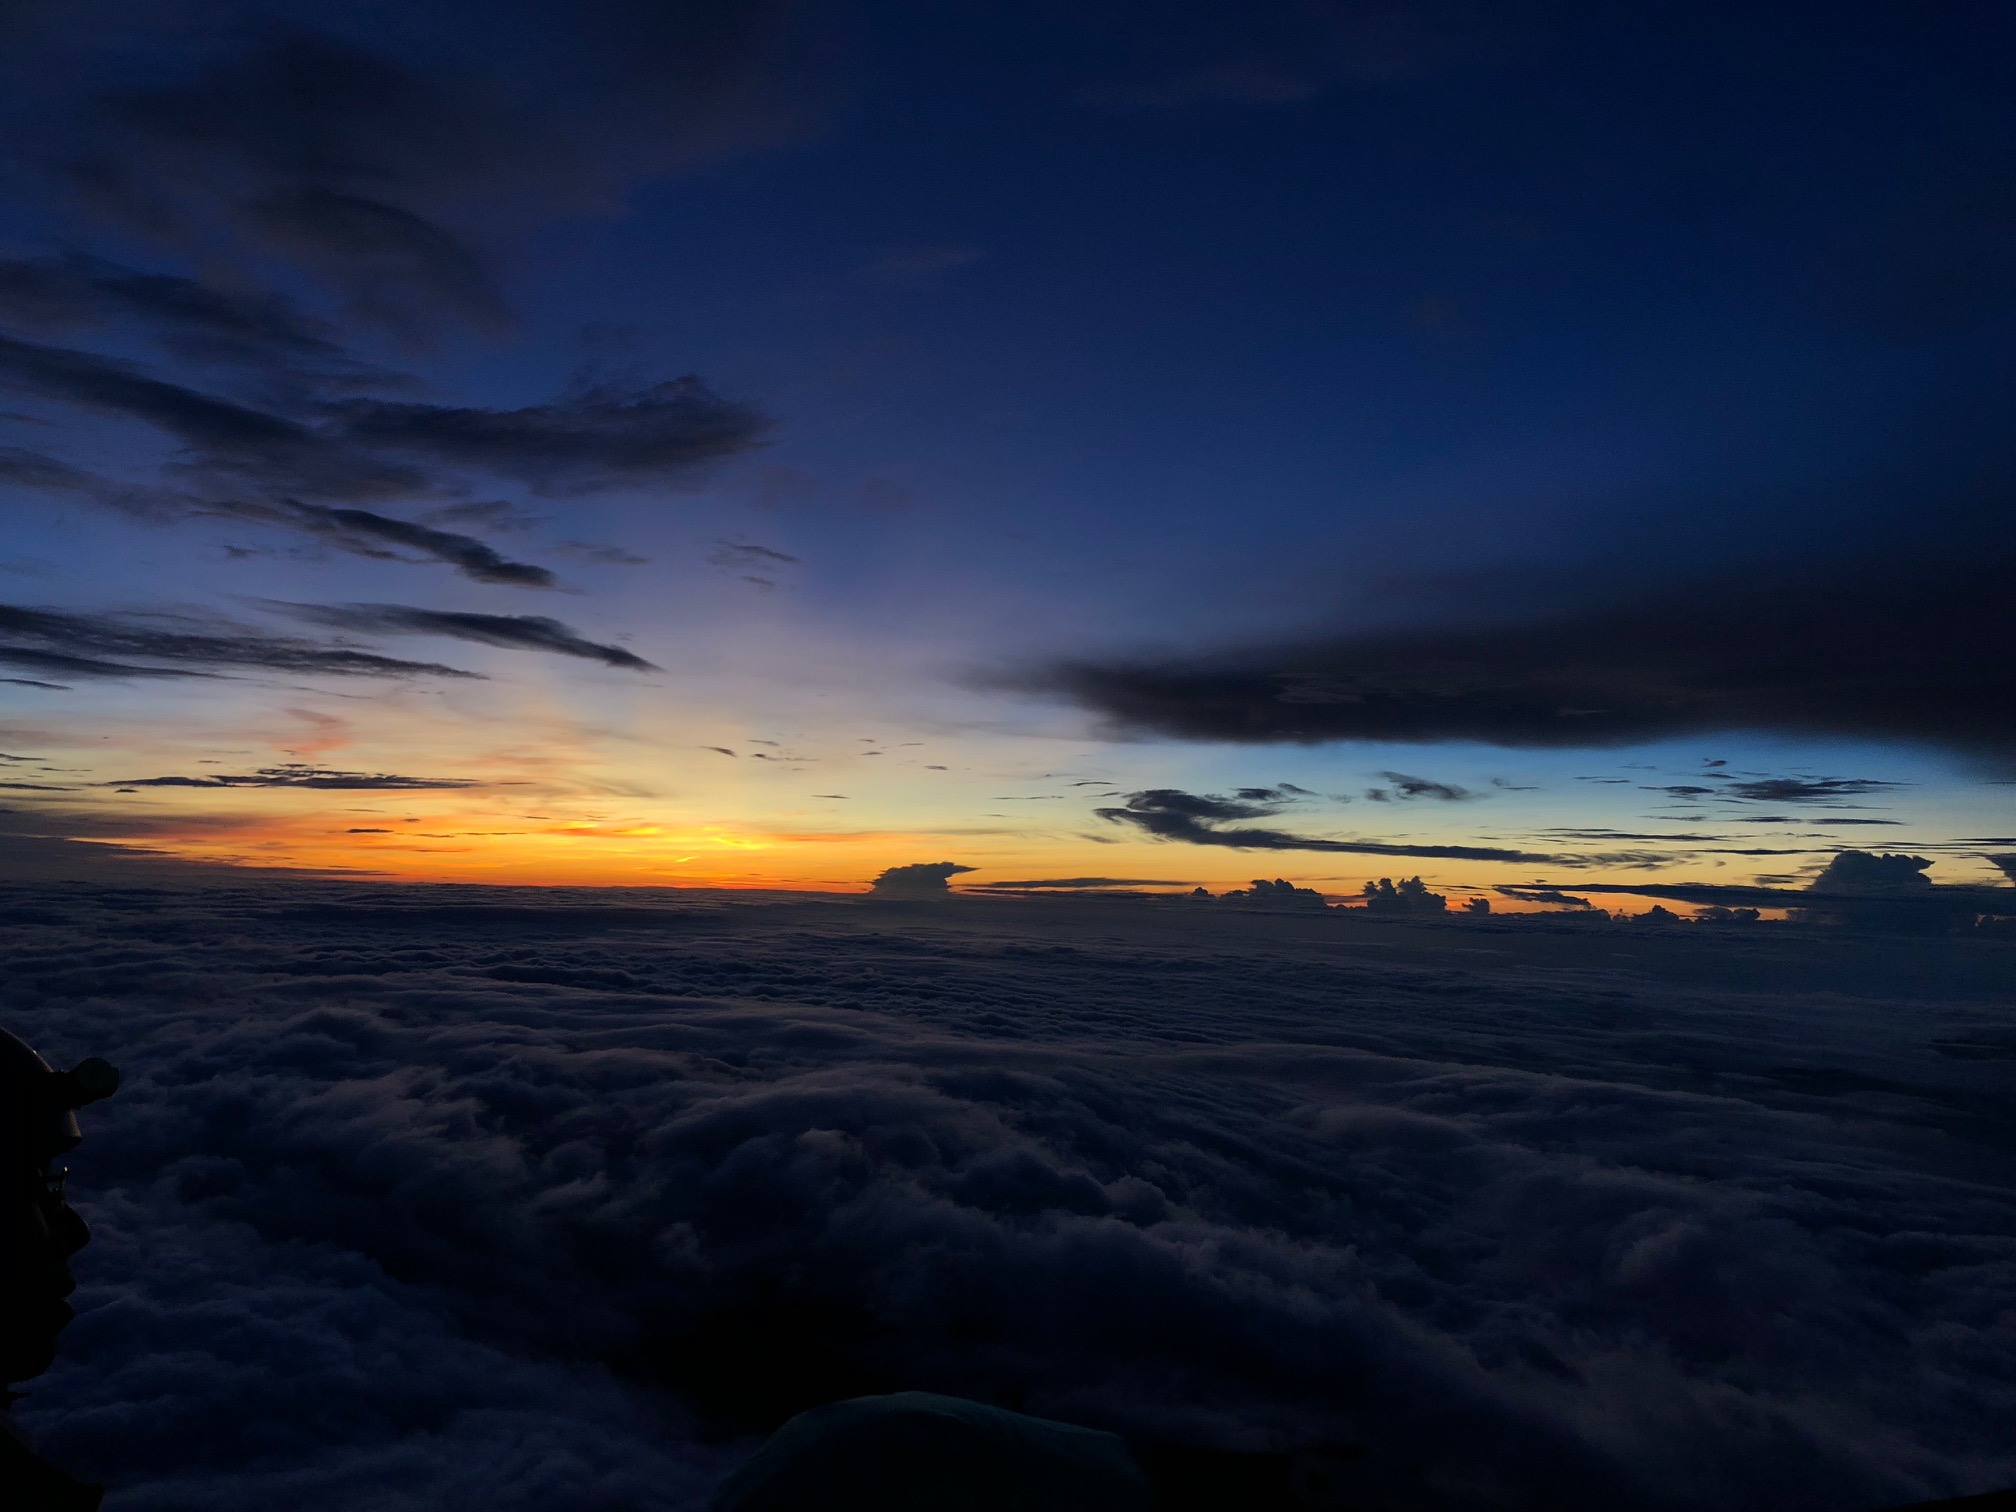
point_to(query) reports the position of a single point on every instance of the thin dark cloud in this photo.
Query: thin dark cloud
(1196, 819)
(366, 533)
(1610, 834)
(517, 632)
(1903, 900)
(1924, 651)
(1066, 884)
(603, 437)
(38, 472)
(222, 439)
(357, 532)
(601, 555)
(37, 659)
(338, 449)
(82, 645)
(1806, 789)
(293, 775)
(748, 554)
(193, 321)
(30, 469)
(1549, 895)
(1405, 786)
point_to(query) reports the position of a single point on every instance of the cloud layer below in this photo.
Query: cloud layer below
(528, 1199)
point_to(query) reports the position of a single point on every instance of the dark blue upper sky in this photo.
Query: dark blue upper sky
(1678, 286)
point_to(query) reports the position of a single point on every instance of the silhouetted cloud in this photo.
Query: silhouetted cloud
(518, 632)
(921, 879)
(1550, 895)
(1171, 814)
(295, 775)
(1864, 871)
(1922, 651)
(78, 644)
(1405, 786)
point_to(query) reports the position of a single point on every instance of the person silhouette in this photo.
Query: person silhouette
(39, 1232)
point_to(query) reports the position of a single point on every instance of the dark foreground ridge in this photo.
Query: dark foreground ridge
(39, 1232)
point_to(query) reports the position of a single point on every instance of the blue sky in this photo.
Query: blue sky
(1248, 338)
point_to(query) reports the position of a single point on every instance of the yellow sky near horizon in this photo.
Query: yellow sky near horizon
(556, 775)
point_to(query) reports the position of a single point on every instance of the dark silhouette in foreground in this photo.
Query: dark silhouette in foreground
(918, 1451)
(39, 1232)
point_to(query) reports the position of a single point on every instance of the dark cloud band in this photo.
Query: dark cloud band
(296, 776)
(1198, 819)
(81, 645)
(518, 632)
(1924, 653)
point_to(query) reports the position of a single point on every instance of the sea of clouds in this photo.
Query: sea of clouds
(443, 1198)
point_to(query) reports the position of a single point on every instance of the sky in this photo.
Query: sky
(756, 444)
